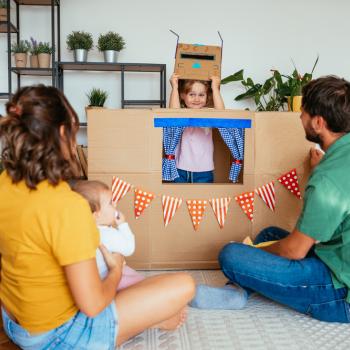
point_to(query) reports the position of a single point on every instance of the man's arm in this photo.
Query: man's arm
(295, 246)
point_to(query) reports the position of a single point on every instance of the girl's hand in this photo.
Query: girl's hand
(112, 260)
(215, 82)
(174, 81)
(119, 217)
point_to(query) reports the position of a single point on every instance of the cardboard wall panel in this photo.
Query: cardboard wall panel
(125, 143)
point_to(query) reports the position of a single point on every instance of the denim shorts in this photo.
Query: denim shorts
(78, 333)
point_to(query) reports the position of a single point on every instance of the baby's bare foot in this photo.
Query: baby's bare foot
(173, 322)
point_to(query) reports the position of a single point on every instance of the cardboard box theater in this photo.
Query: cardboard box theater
(272, 170)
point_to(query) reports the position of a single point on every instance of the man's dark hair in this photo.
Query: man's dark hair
(329, 97)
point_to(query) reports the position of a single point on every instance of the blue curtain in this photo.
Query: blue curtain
(171, 138)
(234, 139)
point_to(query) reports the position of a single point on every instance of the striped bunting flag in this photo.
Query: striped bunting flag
(220, 207)
(246, 202)
(141, 201)
(196, 209)
(267, 194)
(170, 205)
(119, 189)
(290, 182)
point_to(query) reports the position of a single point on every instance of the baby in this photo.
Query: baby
(115, 233)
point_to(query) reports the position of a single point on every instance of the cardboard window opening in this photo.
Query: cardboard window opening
(231, 131)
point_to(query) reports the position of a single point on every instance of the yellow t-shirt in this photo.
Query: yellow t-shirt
(40, 232)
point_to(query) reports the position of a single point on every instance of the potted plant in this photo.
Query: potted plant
(20, 51)
(265, 95)
(97, 97)
(34, 63)
(80, 43)
(3, 10)
(291, 89)
(110, 44)
(44, 51)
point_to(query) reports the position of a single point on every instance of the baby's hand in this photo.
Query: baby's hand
(119, 217)
(215, 82)
(174, 81)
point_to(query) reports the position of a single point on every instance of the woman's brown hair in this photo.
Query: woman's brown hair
(33, 146)
(185, 86)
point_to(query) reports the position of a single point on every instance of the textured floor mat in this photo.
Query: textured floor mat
(262, 325)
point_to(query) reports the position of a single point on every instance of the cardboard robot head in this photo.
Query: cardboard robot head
(197, 62)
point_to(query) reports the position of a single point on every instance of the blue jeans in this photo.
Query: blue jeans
(304, 285)
(194, 177)
(78, 333)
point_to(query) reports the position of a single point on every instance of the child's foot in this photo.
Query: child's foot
(174, 322)
(229, 297)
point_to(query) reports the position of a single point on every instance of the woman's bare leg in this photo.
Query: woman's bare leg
(156, 301)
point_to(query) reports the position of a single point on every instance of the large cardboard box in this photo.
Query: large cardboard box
(126, 144)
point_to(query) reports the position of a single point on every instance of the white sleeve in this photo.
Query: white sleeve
(119, 240)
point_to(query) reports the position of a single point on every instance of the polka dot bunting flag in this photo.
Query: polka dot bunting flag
(290, 182)
(246, 202)
(196, 209)
(142, 200)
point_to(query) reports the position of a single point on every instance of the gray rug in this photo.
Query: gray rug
(262, 325)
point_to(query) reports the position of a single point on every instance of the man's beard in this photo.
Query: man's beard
(313, 137)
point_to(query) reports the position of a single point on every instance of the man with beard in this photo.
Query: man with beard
(307, 269)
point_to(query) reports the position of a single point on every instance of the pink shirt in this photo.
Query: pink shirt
(195, 150)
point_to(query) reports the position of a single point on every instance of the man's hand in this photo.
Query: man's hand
(315, 157)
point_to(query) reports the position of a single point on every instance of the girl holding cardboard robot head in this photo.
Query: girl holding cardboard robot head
(194, 154)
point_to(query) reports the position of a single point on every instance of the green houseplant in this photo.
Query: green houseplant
(110, 44)
(20, 51)
(291, 89)
(80, 43)
(265, 95)
(44, 51)
(34, 63)
(97, 97)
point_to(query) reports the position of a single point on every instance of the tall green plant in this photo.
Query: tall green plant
(294, 83)
(264, 94)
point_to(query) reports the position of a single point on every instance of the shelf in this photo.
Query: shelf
(117, 67)
(3, 27)
(36, 2)
(83, 125)
(33, 71)
(4, 95)
(142, 102)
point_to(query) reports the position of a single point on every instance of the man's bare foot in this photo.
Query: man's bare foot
(174, 322)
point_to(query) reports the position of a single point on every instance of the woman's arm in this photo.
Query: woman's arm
(217, 99)
(174, 95)
(91, 295)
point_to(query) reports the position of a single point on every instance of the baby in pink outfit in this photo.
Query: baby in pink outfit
(115, 233)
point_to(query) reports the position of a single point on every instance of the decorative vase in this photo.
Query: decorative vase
(296, 106)
(21, 60)
(44, 60)
(34, 61)
(80, 55)
(3, 15)
(110, 56)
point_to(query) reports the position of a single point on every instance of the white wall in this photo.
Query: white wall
(258, 35)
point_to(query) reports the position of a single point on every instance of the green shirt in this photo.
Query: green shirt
(326, 211)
